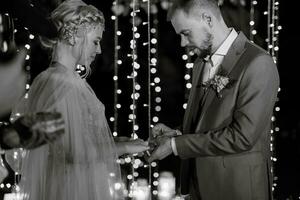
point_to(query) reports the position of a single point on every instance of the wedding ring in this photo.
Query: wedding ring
(178, 132)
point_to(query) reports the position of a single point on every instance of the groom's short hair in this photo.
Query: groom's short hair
(189, 6)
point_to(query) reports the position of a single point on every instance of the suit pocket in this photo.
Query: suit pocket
(259, 182)
(256, 181)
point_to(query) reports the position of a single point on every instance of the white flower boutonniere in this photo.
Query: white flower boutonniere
(218, 83)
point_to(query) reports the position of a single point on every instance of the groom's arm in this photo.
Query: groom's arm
(253, 110)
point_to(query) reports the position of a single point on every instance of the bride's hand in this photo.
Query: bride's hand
(131, 146)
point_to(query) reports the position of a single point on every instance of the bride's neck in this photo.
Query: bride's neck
(62, 54)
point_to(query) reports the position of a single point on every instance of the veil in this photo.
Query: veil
(83, 163)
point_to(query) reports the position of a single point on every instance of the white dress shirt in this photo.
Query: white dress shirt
(217, 57)
(210, 71)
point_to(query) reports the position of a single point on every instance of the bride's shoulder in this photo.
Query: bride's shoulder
(56, 76)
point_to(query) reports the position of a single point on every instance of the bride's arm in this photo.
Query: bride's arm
(125, 145)
(32, 130)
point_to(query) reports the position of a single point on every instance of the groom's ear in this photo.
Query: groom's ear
(207, 18)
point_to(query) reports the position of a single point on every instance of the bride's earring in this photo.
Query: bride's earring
(71, 40)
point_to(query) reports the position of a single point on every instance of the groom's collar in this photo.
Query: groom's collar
(218, 55)
(226, 44)
(234, 52)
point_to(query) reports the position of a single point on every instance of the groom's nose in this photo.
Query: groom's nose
(184, 41)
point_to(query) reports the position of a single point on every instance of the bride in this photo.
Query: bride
(82, 164)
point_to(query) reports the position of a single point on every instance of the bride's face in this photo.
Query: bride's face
(90, 46)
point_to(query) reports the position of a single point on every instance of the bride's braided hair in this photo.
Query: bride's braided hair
(73, 18)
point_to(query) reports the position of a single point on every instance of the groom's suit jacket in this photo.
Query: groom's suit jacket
(225, 146)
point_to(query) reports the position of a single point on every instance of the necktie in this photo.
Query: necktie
(208, 59)
(208, 64)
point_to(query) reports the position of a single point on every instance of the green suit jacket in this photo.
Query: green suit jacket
(225, 146)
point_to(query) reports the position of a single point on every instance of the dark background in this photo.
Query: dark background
(171, 70)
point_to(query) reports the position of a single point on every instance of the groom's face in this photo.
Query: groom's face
(194, 32)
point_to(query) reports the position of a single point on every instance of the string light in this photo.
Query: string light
(273, 48)
(117, 63)
(152, 85)
(253, 32)
(187, 57)
(134, 56)
(129, 160)
(135, 95)
(150, 64)
(28, 62)
(155, 82)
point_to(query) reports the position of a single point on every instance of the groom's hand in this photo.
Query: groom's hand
(163, 149)
(158, 131)
(163, 130)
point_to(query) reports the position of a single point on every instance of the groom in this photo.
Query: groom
(225, 141)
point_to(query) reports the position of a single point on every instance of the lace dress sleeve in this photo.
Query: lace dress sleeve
(81, 164)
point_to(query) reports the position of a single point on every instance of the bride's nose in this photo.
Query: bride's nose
(98, 50)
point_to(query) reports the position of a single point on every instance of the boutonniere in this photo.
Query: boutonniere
(218, 83)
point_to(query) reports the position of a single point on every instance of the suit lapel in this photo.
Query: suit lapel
(227, 66)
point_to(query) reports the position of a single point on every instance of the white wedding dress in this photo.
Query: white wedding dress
(82, 164)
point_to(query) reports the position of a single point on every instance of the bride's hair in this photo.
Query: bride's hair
(73, 18)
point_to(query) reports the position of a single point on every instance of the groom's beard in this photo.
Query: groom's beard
(204, 52)
(206, 47)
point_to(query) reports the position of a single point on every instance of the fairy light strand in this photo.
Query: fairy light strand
(273, 29)
(134, 62)
(129, 160)
(272, 47)
(133, 46)
(252, 20)
(116, 73)
(187, 57)
(149, 83)
(28, 63)
(153, 168)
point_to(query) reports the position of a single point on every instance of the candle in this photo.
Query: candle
(141, 190)
(166, 186)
